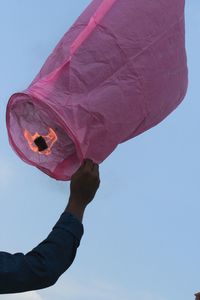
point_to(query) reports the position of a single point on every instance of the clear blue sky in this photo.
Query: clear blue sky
(141, 238)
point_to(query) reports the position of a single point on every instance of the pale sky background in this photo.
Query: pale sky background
(141, 238)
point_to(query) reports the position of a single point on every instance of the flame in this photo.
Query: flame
(50, 139)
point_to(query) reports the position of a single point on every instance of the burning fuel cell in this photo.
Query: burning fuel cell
(39, 143)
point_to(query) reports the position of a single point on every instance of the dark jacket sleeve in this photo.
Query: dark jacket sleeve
(41, 267)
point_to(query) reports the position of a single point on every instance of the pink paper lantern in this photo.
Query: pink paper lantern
(119, 70)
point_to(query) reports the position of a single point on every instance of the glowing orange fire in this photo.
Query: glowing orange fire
(50, 139)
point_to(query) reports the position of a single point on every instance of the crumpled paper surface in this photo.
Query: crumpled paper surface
(118, 71)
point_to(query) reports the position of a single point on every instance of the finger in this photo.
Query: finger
(88, 165)
(88, 160)
(96, 168)
(81, 166)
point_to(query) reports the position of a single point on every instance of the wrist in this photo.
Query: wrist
(75, 209)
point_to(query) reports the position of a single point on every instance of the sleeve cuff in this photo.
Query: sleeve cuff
(70, 223)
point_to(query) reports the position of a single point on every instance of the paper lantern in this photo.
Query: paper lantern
(119, 70)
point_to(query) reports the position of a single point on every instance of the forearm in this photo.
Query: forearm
(75, 208)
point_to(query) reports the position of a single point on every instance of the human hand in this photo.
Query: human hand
(83, 187)
(85, 183)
